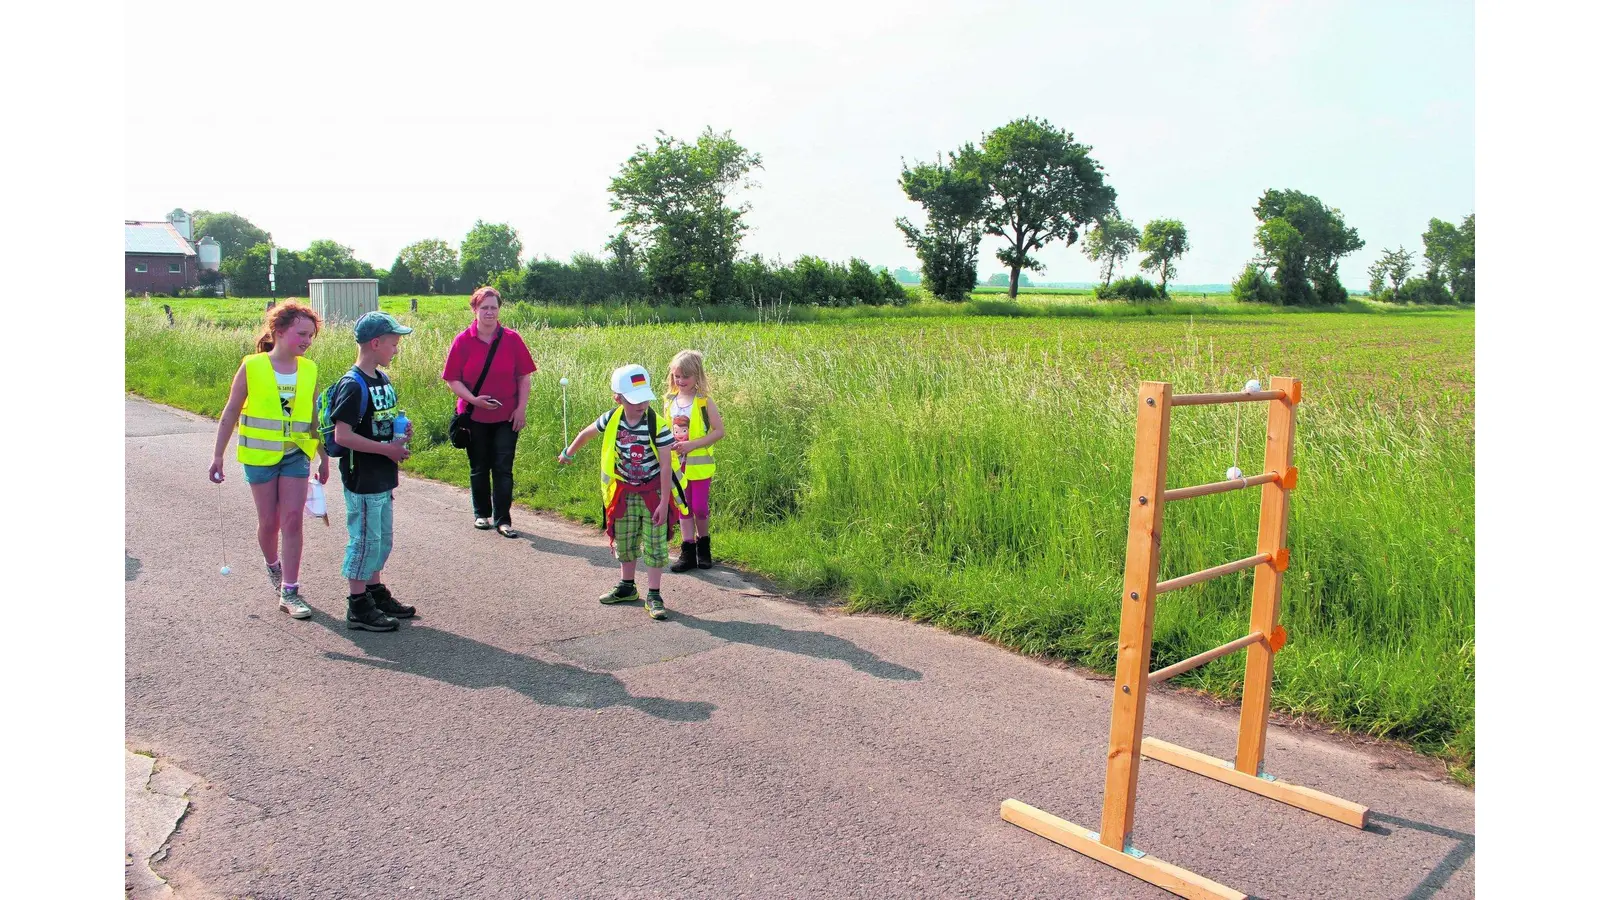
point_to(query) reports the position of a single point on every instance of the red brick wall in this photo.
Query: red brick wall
(156, 278)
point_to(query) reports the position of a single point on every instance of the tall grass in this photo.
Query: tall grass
(973, 472)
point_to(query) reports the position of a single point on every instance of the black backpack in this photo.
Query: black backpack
(325, 423)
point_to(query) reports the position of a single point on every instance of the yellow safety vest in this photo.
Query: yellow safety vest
(608, 458)
(264, 434)
(702, 462)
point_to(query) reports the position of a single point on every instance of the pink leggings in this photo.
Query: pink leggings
(699, 495)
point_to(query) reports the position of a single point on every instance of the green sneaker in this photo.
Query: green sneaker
(622, 593)
(655, 607)
(289, 601)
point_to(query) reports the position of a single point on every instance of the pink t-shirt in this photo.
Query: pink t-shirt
(464, 363)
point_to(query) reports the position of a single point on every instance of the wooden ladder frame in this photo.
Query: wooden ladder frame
(1112, 844)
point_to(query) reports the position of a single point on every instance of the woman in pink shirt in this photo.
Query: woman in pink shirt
(499, 409)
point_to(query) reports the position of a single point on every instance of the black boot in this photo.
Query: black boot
(388, 605)
(363, 613)
(704, 552)
(686, 559)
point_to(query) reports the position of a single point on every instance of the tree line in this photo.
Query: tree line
(1028, 183)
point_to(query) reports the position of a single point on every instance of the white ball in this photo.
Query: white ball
(1234, 473)
(563, 382)
(1252, 386)
(227, 571)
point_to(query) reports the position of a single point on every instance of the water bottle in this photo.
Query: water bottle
(400, 423)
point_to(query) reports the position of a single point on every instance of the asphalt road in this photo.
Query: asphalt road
(517, 739)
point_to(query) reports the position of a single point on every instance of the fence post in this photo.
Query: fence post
(1139, 574)
(413, 305)
(168, 308)
(1268, 591)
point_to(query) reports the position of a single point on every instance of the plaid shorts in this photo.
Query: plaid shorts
(634, 528)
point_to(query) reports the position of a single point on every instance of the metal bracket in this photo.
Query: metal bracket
(1129, 849)
(1265, 777)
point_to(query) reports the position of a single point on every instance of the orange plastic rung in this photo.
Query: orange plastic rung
(1277, 639)
(1288, 479)
(1294, 393)
(1280, 560)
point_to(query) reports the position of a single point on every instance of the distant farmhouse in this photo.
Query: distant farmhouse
(162, 257)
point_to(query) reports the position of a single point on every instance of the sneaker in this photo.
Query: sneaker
(289, 601)
(363, 614)
(275, 575)
(655, 607)
(388, 605)
(622, 593)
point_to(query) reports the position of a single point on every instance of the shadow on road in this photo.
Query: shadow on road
(1435, 880)
(442, 656)
(815, 644)
(599, 557)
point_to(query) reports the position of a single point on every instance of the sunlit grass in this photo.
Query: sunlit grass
(972, 472)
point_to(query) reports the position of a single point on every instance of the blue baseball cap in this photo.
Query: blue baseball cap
(377, 324)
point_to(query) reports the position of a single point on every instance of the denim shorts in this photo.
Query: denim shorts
(370, 520)
(295, 464)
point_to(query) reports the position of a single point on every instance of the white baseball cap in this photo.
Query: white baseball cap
(633, 383)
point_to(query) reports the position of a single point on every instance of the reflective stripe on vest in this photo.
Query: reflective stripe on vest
(702, 462)
(264, 432)
(275, 424)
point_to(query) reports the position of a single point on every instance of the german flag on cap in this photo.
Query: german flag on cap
(637, 379)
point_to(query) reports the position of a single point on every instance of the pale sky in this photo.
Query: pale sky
(378, 124)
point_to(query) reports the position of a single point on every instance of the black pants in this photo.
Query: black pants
(490, 454)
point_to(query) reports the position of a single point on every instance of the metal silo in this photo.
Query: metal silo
(180, 221)
(210, 254)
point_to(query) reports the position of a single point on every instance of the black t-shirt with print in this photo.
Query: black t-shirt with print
(367, 473)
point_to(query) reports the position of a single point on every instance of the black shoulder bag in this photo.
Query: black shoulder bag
(461, 424)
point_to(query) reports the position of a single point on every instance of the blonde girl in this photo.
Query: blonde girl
(272, 402)
(696, 425)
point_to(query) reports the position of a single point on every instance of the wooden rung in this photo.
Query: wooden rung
(1352, 814)
(1198, 660)
(1237, 565)
(1163, 875)
(1235, 397)
(1218, 487)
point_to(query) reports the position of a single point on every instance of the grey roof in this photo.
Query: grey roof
(154, 237)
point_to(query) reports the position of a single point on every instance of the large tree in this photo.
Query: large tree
(1163, 242)
(233, 232)
(1111, 242)
(432, 260)
(1449, 254)
(487, 250)
(674, 204)
(247, 273)
(1302, 241)
(1393, 266)
(1043, 187)
(954, 200)
(331, 259)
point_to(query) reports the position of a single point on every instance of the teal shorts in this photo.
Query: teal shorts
(370, 520)
(295, 464)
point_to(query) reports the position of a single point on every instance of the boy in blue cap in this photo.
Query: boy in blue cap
(370, 470)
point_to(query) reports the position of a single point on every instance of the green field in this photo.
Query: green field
(969, 466)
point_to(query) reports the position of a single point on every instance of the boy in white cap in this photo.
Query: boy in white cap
(635, 483)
